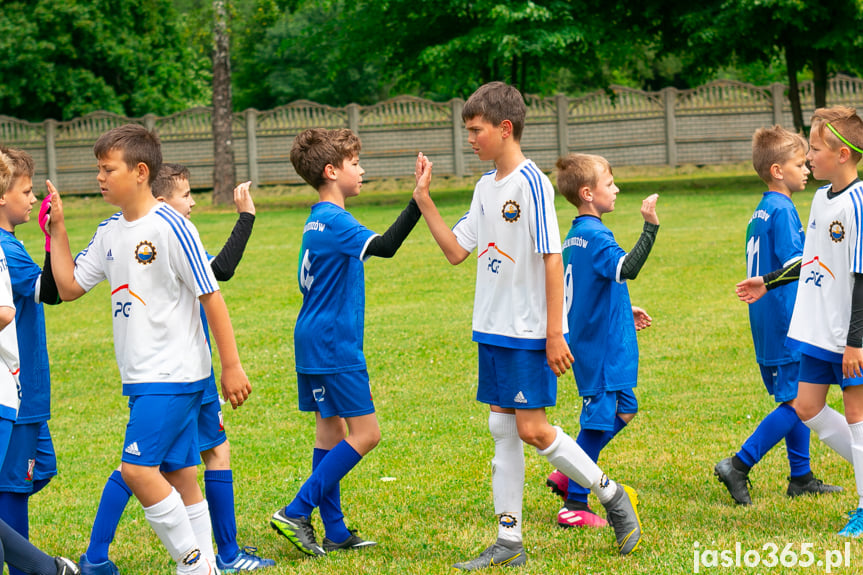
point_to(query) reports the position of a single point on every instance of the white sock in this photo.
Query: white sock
(565, 454)
(507, 474)
(856, 430)
(171, 523)
(832, 429)
(199, 517)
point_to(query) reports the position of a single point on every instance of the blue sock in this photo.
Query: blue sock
(592, 441)
(219, 487)
(15, 513)
(115, 496)
(337, 463)
(331, 506)
(797, 447)
(769, 432)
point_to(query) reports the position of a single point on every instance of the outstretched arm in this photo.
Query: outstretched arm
(752, 289)
(442, 234)
(225, 263)
(235, 384)
(634, 260)
(62, 263)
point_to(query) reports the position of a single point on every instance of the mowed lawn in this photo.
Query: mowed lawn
(425, 493)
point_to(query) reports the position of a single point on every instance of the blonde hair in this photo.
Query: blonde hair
(7, 172)
(576, 171)
(774, 145)
(844, 120)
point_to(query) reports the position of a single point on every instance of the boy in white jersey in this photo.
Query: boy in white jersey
(158, 272)
(513, 226)
(827, 323)
(172, 187)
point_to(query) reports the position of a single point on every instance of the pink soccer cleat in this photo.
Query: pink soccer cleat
(581, 518)
(558, 483)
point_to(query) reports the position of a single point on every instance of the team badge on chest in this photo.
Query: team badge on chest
(145, 253)
(837, 231)
(511, 211)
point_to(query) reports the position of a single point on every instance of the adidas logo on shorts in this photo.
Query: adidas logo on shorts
(519, 398)
(132, 449)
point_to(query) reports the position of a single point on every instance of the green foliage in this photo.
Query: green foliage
(66, 58)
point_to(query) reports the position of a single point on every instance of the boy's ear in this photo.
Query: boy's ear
(161, 199)
(143, 172)
(585, 193)
(844, 154)
(506, 128)
(776, 172)
(330, 172)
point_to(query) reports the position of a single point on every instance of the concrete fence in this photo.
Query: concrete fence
(711, 124)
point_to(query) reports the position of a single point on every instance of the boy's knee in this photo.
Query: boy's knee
(218, 457)
(627, 417)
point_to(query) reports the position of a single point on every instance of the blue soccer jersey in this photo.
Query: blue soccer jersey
(774, 238)
(328, 337)
(35, 374)
(601, 327)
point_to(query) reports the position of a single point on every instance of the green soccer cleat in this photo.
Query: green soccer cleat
(299, 531)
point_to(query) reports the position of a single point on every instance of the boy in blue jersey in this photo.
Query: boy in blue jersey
(172, 187)
(30, 463)
(602, 320)
(16, 198)
(774, 239)
(159, 278)
(827, 323)
(512, 224)
(332, 380)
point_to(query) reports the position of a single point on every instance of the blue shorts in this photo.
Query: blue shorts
(781, 380)
(5, 436)
(598, 411)
(163, 431)
(515, 378)
(346, 394)
(211, 426)
(814, 370)
(30, 461)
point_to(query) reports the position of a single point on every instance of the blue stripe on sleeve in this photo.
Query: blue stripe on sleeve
(181, 230)
(536, 190)
(101, 224)
(856, 260)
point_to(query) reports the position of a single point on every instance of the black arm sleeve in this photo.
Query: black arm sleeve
(634, 260)
(48, 293)
(855, 326)
(226, 262)
(780, 277)
(387, 245)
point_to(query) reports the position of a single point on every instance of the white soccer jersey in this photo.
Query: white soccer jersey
(832, 254)
(10, 389)
(511, 224)
(157, 268)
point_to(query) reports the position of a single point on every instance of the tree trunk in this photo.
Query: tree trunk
(224, 174)
(792, 65)
(819, 78)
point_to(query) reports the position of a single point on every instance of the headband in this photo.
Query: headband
(844, 141)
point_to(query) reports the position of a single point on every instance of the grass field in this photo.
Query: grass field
(424, 493)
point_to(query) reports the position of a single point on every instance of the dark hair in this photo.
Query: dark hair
(315, 148)
(163, 185)
(138, 144)
(496, 102)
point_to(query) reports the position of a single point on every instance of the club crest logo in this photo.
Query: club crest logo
(31, 465)
(508, 521)
(145, 253)
(221, 421)
(511, 211)
(837, 232)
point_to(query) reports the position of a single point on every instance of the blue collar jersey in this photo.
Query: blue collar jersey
(774, 238)
(328, 336)
(601, 327)
(35, 375)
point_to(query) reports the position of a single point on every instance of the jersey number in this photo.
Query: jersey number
(567, 288)
(753, 258)
(306, 278)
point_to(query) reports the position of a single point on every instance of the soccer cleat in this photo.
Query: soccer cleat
(735, 481)
(809, 485)
(854, 527)
(104, 568)
(352, 542)
(558, 483)
(501, 553)
(622, 512)
(246, 560)
(567, 518)
(66, 566)
(299, 531)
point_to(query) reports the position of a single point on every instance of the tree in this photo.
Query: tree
(224, 173)
(64, 58)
